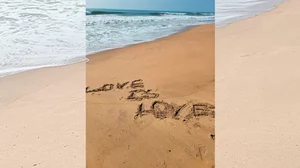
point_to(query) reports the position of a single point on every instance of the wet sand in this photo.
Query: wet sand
(152, 104)
(42, 112)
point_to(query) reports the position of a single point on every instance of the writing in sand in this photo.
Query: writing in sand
(137, 92)
(158, 108)
(161, 110)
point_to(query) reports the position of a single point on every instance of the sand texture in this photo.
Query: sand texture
(257, 90)
(152, 104)
(42, 118)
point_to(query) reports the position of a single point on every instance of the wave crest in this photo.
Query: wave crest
(144, 13)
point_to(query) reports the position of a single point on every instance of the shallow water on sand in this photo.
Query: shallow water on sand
(228, 11)
(39, 33)
(108, 29)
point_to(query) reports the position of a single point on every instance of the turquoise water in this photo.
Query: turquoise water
(122, 12)
(111, 28)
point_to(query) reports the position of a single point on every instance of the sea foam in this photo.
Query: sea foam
(114, 29)
(38, 33)
(229, 11)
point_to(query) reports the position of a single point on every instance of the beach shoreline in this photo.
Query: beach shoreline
(88, 55)
(44, 67)
(227, 22)
(147, 41)
(257, 90)
(244, 73)
(183, 30)
(176, 72)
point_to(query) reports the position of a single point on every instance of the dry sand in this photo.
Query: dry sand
(179, 70)
(257, 90)
(42, 118)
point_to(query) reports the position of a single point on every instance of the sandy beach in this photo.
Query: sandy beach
(152, 104)
(42, 118)
(257, 90)
(42, 112)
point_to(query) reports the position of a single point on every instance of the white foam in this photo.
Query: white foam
(113, 31)
(228, 11)
(40, 33)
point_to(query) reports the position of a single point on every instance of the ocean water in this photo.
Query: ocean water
(228, 11)
(40, 33)
(43, 33)
(108, 29)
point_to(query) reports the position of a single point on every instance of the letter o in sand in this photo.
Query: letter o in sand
(107, 87)
(161, 109)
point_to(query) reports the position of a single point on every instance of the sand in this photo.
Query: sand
(172, 74)
(257, 90)
(257, 103)
(42, 118)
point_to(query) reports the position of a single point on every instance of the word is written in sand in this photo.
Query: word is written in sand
(141, 94)
(162, 110)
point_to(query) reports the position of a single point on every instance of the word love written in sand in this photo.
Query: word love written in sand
(137, 92)
(162, 110)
